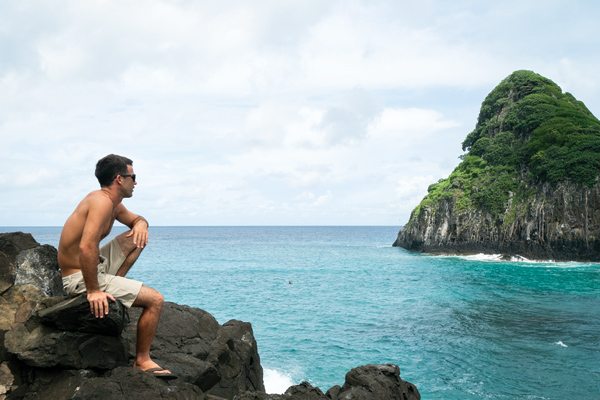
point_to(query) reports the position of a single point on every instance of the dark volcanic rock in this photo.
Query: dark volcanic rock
(38, 266)
(235, 354)
(369, 382)
(380, 382)
(73, 314)
(13, 243)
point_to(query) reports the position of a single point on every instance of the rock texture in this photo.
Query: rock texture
(368, 382)
(45, 357)
(502, 199)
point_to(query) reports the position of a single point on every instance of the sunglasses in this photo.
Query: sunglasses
(126, 175)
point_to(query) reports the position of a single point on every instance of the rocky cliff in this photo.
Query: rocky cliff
(527, 184)
(50, 348)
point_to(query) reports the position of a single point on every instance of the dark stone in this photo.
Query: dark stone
(7, 273)
(38, 266)
(380, 382)
(234, 353)
(305, 391)
(74, 314)
(40, 346)
(126, 383)
(12, 243)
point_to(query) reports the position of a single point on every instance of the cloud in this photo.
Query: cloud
(264, 112)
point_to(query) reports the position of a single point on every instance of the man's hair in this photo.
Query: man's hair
(107, 168)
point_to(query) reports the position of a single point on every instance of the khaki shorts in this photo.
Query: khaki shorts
(111, 258)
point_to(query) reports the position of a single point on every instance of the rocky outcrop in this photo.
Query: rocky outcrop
(369, 382)
(558, 223)
(528, 185)
(51, 349)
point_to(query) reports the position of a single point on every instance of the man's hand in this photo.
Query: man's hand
(139, 231)
(99, 302)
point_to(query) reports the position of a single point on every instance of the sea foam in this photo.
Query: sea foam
(276, 382)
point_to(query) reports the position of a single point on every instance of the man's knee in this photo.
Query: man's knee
(149, 298)
(126, 243)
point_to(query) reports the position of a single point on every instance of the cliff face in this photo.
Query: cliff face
(528, 184)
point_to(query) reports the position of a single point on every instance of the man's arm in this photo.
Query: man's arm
(137, 224)
(99, 213)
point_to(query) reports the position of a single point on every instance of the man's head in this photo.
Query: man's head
(109, 167)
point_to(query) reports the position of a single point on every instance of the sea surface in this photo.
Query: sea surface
(323, 300)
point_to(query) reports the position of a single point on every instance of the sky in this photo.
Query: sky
(309, 112)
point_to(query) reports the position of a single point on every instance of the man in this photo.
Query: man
(100, 272)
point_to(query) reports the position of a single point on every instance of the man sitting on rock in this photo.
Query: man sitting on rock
(99, 271)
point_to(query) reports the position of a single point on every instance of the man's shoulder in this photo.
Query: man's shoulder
(97, 198)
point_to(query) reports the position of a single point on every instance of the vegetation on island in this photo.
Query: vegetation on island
(528, 133)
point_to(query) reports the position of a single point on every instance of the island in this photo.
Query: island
(527, 185)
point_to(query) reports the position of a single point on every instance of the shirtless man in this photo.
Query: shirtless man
(100, 272)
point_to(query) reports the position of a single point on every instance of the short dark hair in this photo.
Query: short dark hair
(107, 168)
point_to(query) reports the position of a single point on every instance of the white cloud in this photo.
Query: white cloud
(263, 112)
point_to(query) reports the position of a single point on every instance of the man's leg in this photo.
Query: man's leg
(152, 302)
(130, 251)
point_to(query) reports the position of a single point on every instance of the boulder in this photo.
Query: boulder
(303, 391)
(234, 353)
(12, 243)
(73, 314)
(7, 273)
(23, 261)
(39, 267)
(380, 382)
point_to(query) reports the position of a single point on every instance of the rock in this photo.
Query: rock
(12, 243)
(38, 266)
(40, 346)
(380, 382)
(73, 314)
(7, 273)
(234, 353)
(125, 383)
(369, 382)
(6, 379)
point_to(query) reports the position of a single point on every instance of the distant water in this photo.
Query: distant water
(323, 300)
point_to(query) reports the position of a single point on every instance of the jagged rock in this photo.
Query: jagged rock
(221, 360)
(303, 391)
(380, 382)
(40, 346)
(368, 382)
(6, 379)
(38, 266)
(120, 383)
(12, 243)
(7, 273)
(73, 314)
(234, 353)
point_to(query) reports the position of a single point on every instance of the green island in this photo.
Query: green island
(533, 148)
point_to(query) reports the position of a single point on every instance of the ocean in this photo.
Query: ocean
(323, 300)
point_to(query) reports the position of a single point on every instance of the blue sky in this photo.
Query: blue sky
(264, 112)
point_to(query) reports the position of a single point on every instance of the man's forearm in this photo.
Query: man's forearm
(89, 269)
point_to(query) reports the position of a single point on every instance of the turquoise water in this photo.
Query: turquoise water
(325, 299)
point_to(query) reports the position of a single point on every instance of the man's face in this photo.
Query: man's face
(128, 182)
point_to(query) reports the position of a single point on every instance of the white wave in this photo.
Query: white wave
(276, 382)
(561, 344)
